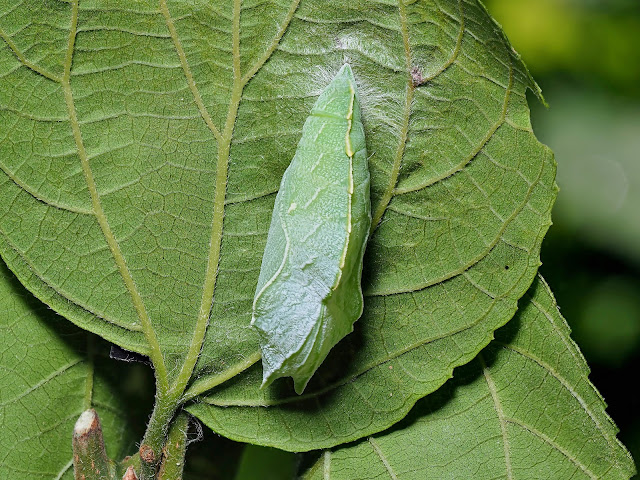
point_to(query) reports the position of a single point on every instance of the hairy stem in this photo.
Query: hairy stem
(90, 460)
(175, 449)
(156, 434)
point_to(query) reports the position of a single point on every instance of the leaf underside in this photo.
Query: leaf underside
(142, 147)
(523, 409)
(50, 372)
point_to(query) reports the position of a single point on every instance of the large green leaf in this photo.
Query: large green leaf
(50, 372)
(140, 154)
(524, 409)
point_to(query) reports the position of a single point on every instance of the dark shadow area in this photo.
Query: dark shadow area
(132, 384)
(212, 457)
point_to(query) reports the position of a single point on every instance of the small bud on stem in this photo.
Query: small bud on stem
(130, 474)
(90, 460)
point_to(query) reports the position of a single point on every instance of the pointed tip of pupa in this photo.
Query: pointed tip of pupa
(299, 382)
(346, 71)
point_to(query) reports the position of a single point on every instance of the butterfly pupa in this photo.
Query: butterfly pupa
(308, 295)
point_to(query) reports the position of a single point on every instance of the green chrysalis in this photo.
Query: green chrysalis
(308, 295)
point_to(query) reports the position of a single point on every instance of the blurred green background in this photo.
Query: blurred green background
(585, 54)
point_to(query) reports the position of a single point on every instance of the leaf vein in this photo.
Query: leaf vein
(456, 51)
(62, 293)
(24, 61)
(154, 347)
(53, 203)
(391, 189)
(549, 369)
(42, 382)
(274, 44)
(554, 445)
(204, 113)
(475, 152)
(378, 212)
(382, 457)
(500, 414)
(64, 469)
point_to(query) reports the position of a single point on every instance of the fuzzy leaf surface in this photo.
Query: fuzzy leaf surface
(523, 409)
(142, 147)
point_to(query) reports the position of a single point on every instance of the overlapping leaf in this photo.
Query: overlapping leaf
(142, 146)
(524, 409)
(49, 377)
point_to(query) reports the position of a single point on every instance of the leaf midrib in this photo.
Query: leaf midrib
(224, 139)
(155, 353)
(378, 212)
(391, 190)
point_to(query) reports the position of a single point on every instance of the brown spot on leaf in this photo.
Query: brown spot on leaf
(416, 76)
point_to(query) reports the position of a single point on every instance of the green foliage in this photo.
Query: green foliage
(50, 373)
(140, 153)
(535, 413)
